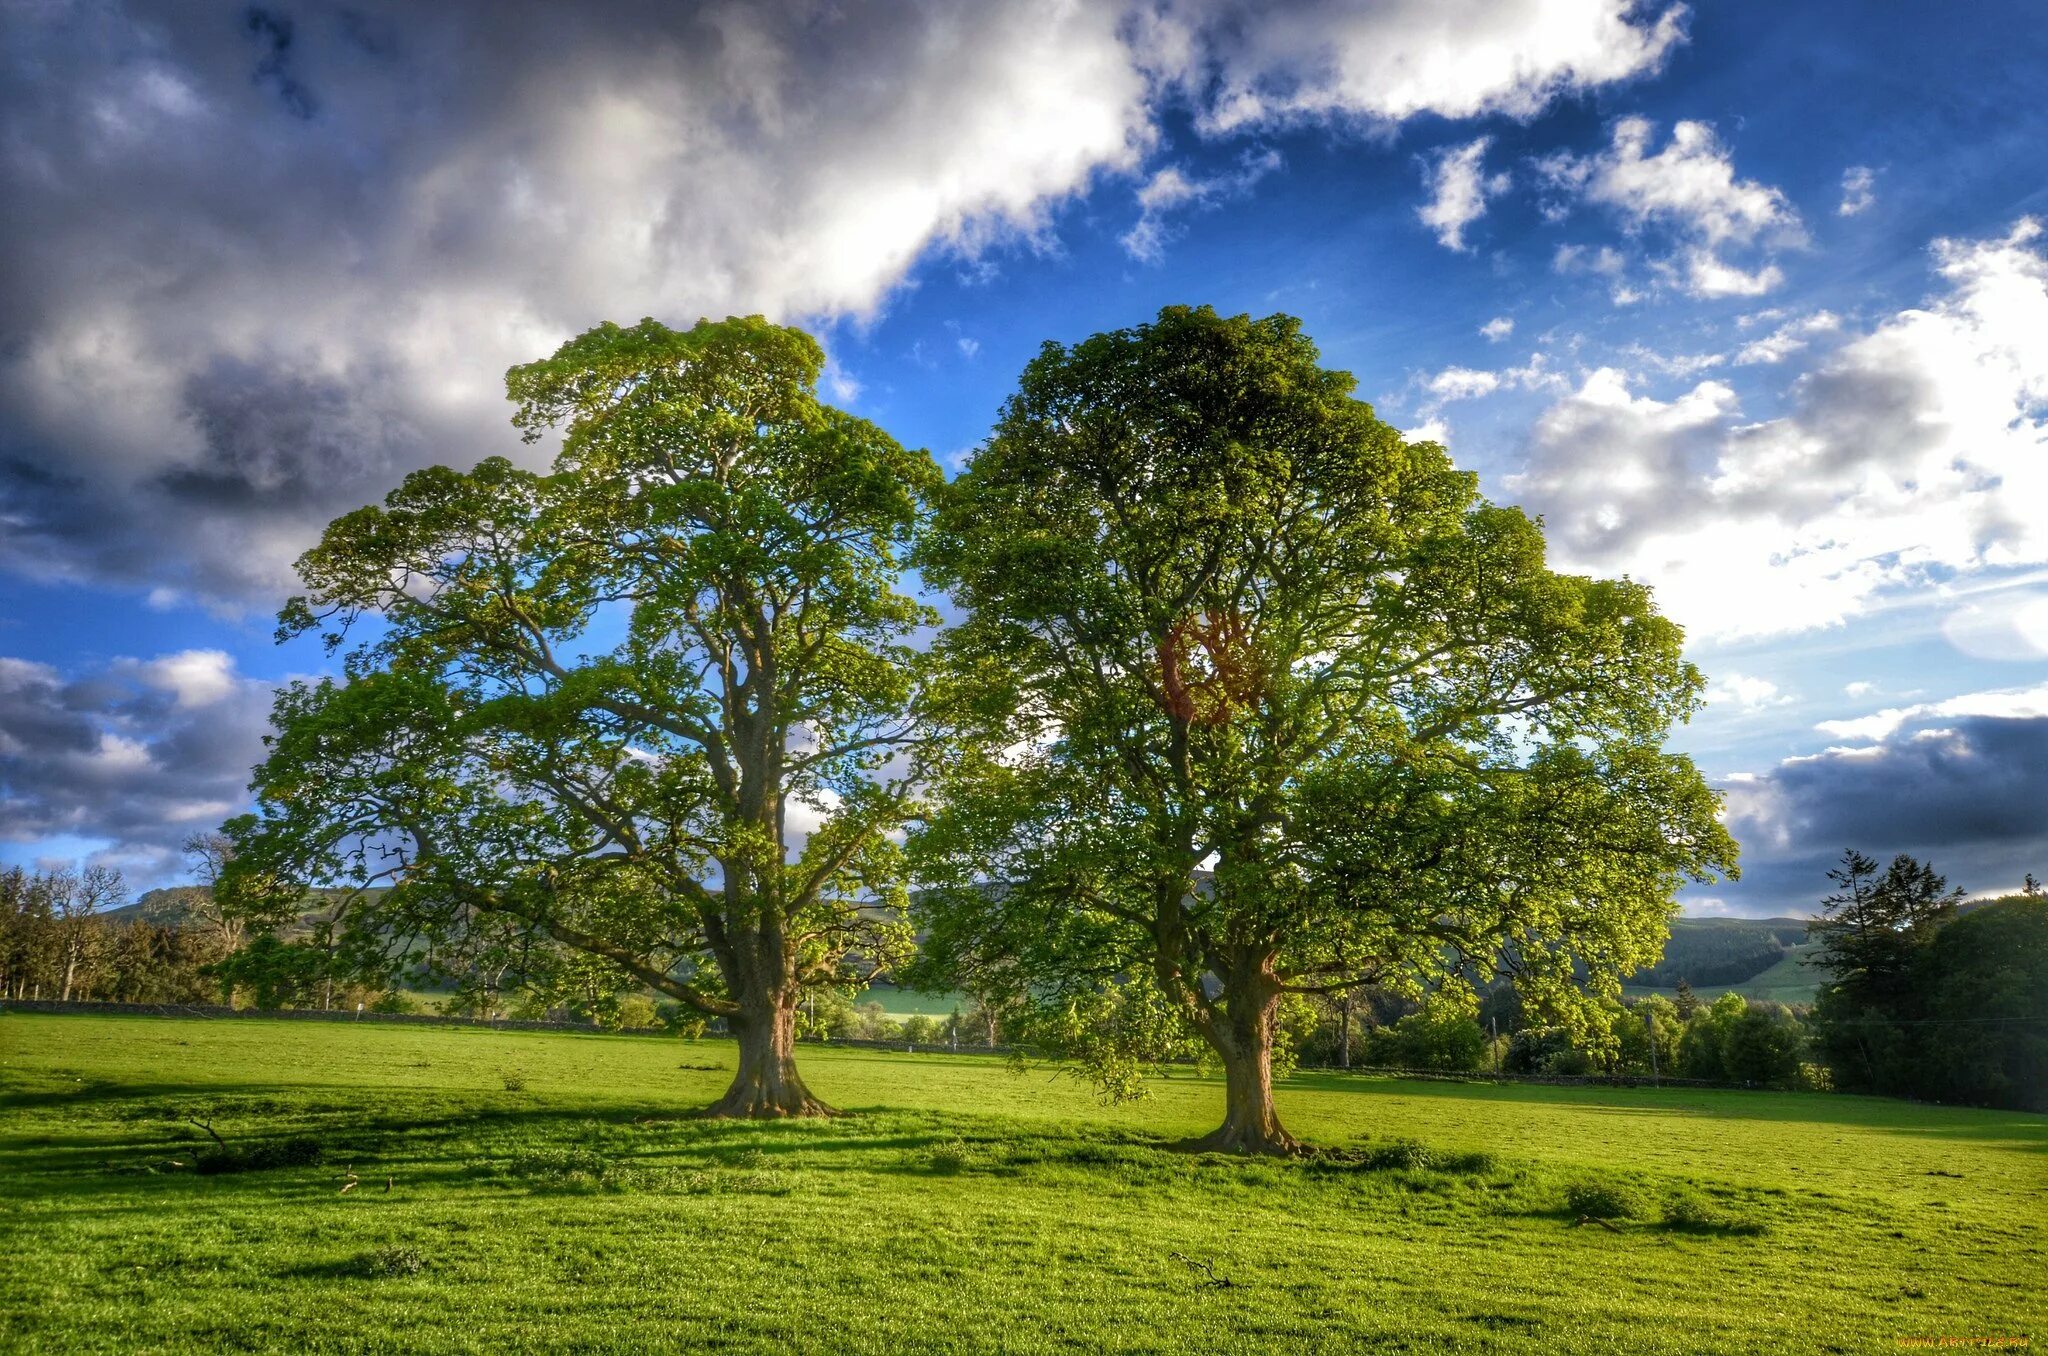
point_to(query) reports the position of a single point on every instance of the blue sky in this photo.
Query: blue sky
(1749, 300)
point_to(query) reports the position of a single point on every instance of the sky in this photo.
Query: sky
(1749, 301)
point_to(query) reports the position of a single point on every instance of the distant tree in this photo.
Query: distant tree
(2030, 887)
(1871, 935)
(1649, 1024)
(597, 704)
(1984, 989)
(1260, 698)
(77, 899)
(1761, 1048)
(1437, 1038)
(208, 855)
(1687, 1002)
(1702, 1050)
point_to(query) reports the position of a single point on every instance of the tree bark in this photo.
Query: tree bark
(767, 1084)
(1344, 1035)
(1242, 1036)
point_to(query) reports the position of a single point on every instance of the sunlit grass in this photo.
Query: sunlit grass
(961, 1207)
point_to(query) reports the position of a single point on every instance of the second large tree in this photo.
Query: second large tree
(1258, 697)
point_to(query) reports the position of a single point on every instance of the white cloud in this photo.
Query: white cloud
(1787, 339)
(1859, 688)
(1497, 329)
(1689, 191)
(1260, 62)
(1746, 691)
(441, 191)
(1858, 189)
(841, 386)
(1467, 383)
(1461, 383)
(1915, 453)
(2010, 624)
(1170, 189)
(789, 160)
(2004, 702)
(1458, 189)
(194, 677)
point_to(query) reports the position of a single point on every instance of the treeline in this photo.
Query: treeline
(1928, 1001)
(57, 943)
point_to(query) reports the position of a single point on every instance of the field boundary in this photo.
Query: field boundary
(53, 1007)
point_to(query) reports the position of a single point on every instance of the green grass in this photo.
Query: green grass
(900, 1003)
(1790, 980)
(961, 1207)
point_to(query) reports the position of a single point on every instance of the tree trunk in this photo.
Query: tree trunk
(1242, 1036)
(1344, 1035)
(767, 1083)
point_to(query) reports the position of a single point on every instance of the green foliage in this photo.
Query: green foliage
(1955, 1010)
(1217, 611)
(1762, 1049)
(1112, 1036)
(628, 805)
(1702, 1050)
(271, 973)
(1437, 1039)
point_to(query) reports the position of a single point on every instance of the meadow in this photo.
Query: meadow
(489, 1191)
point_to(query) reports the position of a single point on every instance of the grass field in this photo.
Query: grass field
(961, 1207)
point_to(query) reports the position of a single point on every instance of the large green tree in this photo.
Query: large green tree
(601, 703)
(1280, 705)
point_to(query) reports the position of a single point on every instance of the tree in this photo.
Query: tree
(1870, 938)
(209, 854)
(1702, 1049)
(1761, 1048)
(1687, 1002)
(1258, 698)
(1984, 987)
(602, 703)
(1649, 1032)
(77, 899)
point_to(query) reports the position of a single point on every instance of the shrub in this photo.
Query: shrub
(1445, 1041)
(515, 1081)
(1473, 1162)
(392, 1262)
(1400, 1154)
(1689, 1212)
(919, 1029)
(1601, 1200)
(636, 1013)
(397, 1003)
(950, 1157)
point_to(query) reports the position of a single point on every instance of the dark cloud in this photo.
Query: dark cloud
(139, 757)
(1969, 794)
(263, 258)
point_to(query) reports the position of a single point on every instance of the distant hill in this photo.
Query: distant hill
(1759, 958)
(173, 906)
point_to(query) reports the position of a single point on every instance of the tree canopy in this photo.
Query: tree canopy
(1252, 696)
(601, 704)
